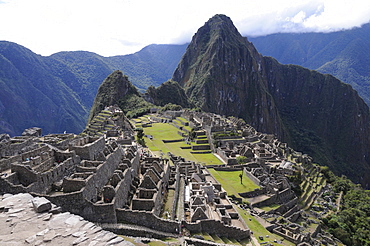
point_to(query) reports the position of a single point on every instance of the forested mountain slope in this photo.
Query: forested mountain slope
(57, 92)
(344, 54)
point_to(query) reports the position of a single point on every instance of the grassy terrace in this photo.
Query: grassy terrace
(230, 181)
(161, 131)
(259, 230)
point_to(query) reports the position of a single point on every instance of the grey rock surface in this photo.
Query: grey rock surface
(41, 204)
(20, 224)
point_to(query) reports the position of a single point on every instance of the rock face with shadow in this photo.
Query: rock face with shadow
(222, 72)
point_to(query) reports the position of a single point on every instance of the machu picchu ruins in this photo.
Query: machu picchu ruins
(107, 178)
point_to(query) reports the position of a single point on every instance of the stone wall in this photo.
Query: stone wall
(200, 147)
(143, 218)
(10, 185)
(76, 203)
(122, 190)
(252, 177)
(145, 232)
(5, 162)
(27, 176)
(14, 146)
(218, 228)
(222, 154)
(172, 141)
(86, 149)
(201, 141)
(41, 183)
(267, 202)
(176, 195)
(103, 173)
(286, 195)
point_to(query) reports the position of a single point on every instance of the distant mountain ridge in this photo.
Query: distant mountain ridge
(223, 73)
(57, 92)
(220, 72)
(344, 54)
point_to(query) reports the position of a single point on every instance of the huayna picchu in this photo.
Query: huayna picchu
(223, 73)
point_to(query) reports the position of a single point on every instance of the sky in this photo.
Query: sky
(119, 27)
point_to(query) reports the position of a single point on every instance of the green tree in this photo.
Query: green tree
(241, 159)
(140, 136)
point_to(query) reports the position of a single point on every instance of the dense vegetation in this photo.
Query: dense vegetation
(351, 224)
(32, 95)
(56, 92)
(168, 92)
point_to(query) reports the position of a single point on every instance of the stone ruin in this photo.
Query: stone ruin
(266, 164)
(103, 178)
(107, 181)
(204, 201)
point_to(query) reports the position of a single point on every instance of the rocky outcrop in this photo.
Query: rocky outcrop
(33, 131)
(223, 73)
(113, 89)
(168, 92)
(20, 224)
(220, 72)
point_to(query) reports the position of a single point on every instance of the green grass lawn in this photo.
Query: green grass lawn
(230, 181)
(271, 207)
(161, 131)
(169, 203)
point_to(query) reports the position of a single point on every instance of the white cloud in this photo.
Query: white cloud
(113, 27)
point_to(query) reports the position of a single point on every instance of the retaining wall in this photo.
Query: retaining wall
(252, 177)
(146, 219)
(201, 147)
(218, 228)
(172, 141)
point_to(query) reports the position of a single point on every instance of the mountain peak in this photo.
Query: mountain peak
(115, 87)
(221, 72)
(219, 21)
(219, 27)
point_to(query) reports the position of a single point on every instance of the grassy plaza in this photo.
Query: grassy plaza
(163, 131)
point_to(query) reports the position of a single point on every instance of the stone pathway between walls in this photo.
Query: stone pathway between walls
(20, 224)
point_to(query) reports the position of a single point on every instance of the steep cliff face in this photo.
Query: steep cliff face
(221, 73)
(325, 117)
(317, 114)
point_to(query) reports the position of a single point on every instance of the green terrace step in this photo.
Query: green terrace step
(226, 240)
(216, 238)
(106, 112)
(99, 120)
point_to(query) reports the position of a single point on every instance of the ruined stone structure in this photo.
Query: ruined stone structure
(107, 178)
(153, 185)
